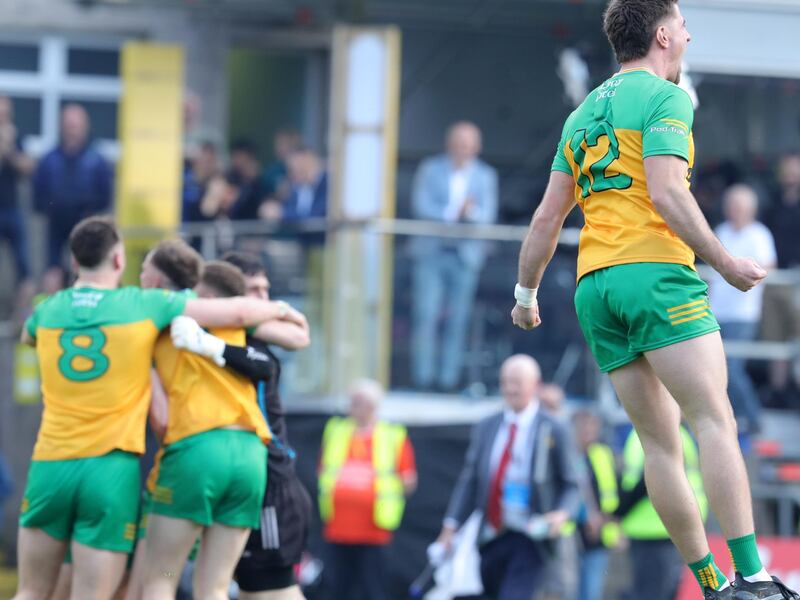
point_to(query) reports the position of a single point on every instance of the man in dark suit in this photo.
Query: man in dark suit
(519, 470)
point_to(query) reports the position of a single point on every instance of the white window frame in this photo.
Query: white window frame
(51, 83)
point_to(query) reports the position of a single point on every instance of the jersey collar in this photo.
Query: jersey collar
(634, 69)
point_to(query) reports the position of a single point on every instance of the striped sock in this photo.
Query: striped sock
(708, 574)
(745, 555)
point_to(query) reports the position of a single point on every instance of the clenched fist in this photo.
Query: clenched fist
(526, 318)
(743, 273)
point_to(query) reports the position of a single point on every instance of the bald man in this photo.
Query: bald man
(72, 181)
(455, 187)
(519, 472)
(739, 313)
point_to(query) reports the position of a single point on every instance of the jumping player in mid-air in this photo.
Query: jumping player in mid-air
(625, 157)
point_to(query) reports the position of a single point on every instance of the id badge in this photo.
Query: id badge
(516, 504)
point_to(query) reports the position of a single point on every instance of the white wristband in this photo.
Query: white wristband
(526, 297)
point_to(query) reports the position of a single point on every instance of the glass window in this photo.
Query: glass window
(102, 116)
(27, 115)
(93, 61)
(19, 57)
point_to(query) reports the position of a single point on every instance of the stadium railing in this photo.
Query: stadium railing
(296, 266)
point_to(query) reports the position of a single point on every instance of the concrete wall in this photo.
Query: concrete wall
(204, 38)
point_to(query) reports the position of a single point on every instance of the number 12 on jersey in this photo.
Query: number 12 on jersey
(594, 175)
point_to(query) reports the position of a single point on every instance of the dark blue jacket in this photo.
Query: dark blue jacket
(72, 186)
(319, 206)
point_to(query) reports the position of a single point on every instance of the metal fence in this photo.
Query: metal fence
(297, 262)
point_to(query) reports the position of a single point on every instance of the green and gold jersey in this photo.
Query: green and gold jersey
(95, 349)
(631, 116)
(203, 396)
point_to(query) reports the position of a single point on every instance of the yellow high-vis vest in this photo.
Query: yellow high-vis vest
(643, 522)
(601, 459)
(387, 443)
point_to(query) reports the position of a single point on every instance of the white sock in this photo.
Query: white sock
(725, 587)
(762, 575)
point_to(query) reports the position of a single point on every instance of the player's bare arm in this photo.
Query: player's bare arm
(159, 406)
(666, 183)
(289, 335)
(27, 338)
(235, 312)
(541, 241)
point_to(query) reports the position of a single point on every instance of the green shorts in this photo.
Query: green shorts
(627, 310)
(94, 501)
(217, 476)
(141, 531)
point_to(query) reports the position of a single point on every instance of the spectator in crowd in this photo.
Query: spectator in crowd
(307, 200)
(456, 187)
(520, 471)
(552, 397)
(364, 460)
(277, 185)
(221, 193)
(600, 499)
(202, 168)
(245, 170)
(781, 312)
(739, 313)
(72, 181)
(308, 195)
(784, 217)
(14, 164)
(655, 562)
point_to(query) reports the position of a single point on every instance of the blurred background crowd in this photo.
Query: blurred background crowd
(484, 87)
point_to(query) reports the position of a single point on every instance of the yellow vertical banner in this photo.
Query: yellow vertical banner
(149, 175)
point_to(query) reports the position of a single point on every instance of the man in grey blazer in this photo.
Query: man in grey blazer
(456, 187)
(519, 471)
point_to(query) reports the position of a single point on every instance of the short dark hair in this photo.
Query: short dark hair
(630, 26)
(224, 278)
(92, 240)
(245, 146)
(248, 264)
(179, 262)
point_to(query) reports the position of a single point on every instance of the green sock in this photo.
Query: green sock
(745, 555)
(708, 574)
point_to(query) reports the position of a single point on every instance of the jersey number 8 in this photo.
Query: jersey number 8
(82, 361)
(600, 180)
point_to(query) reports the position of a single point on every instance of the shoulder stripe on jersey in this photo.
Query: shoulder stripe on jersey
(676, 122)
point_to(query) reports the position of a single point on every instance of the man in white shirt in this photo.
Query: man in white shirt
(456, 187)
(519, 472)
(739, 313)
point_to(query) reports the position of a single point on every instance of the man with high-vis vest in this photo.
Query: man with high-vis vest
(366, 471)
(655, 562)
(600, 490)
